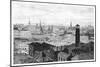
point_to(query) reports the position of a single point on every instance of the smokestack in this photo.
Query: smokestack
(77, 36)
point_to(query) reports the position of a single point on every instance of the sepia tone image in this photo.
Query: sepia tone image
(52, 32)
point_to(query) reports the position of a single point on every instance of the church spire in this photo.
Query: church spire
(70, 24)
(41, 29)
(29, 22)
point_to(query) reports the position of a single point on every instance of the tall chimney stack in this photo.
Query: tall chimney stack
(77, 36)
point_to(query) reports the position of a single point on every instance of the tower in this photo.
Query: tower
(50, 28)
(70, 24)
(77, 36)
(41, 29)
(29, 23)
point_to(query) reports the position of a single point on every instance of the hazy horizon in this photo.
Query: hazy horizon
(52, 14)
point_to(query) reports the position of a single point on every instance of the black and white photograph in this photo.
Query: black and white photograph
(51, 33)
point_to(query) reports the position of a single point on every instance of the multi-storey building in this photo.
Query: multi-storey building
(21, 46)
(62, 56)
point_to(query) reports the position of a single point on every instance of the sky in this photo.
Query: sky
(52, 14)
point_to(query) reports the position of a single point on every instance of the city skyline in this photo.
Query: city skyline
(52, 14)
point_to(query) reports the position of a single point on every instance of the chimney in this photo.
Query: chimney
(77, 36)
